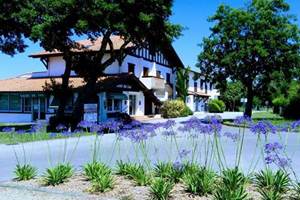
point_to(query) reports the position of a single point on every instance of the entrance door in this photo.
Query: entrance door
(132, 104)
(39, 108)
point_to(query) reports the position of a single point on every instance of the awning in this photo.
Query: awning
(120, 96)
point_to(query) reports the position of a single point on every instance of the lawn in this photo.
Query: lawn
(275, 119)
(14, 138)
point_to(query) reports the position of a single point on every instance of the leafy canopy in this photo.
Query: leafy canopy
(250, 43)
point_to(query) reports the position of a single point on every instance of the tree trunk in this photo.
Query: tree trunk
(249, 104)
(63, 90)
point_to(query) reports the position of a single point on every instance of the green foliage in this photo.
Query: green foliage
(272, 186)
(182, 83)
(92, 170)
(134, 172)
(25, 172)
(175, 108)
(12, 29)
(102, 181)
(168, 172)
(232, 186)
(232, 95)
(279, 101)
(58, 174)
(237, 49)
(199, 181)
(292, 108)
(160, 188)
(123, 168)
(216, 106)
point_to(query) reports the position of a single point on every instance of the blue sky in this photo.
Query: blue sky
(192, 14)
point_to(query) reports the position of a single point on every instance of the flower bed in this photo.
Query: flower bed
(198, 170)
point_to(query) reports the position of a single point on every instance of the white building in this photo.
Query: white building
(137, 87)
(200, 92)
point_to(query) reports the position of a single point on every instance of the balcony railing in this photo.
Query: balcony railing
(152, 82)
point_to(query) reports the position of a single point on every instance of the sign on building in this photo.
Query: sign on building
(90, 112)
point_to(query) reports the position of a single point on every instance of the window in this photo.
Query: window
(27, 104)
(210, 86)
(158, 74)
(114, 105)
(117, 104)
(146, 71)
(195, 86)
(131, 68)
(168, 78)
(109, 104)
(14, 102)
(201, 84)
(4, 103)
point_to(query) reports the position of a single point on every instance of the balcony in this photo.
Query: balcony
(152, 82)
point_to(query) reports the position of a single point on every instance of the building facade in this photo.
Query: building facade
(138, 86)
(200, 92)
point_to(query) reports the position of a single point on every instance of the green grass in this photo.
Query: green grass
(13, 138)
(275, 119)
(266, 115)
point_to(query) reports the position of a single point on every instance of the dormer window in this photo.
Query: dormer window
(131, 68)
(168, 78)
(158, 74)
(145, 71)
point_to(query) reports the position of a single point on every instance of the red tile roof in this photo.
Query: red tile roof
(87, 45)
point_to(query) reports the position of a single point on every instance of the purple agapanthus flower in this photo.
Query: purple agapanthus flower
(243, 120)
(61, 127)
(183, 153)
(136, 123)
(233, 136)
(273, 147)
(178, 166)
(138, 136)
(8, 129)
(295, 125)
(84, 124)
(168, 124)
(274, 154)
(263, 127)
(168, 133)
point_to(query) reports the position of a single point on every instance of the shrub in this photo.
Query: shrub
(186, 112)
(102, 181)
(199, 180)
(168, 172)
(232, 186)
(160, 188)
(57, 175)
(137, 173)
(272, 185)
(25, 172)
(175, 108)
(92, 170)
(216, 106)
(123, 168)
(292, 109)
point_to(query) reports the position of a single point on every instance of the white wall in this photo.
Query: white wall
(15, 117)
(140, 103)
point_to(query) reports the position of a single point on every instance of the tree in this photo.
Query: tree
(138, 24)
(182, 83)
(232, 95)
(249, 44)
(12, 31)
